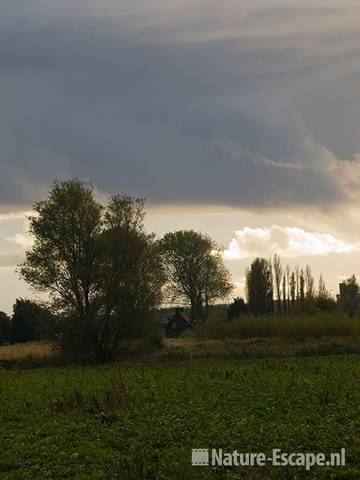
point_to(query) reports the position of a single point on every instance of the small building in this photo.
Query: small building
(177, 324)
(349, 288)
(342, 290)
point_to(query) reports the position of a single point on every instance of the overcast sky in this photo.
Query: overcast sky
(239, 118)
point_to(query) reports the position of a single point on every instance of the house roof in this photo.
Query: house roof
(186, 319)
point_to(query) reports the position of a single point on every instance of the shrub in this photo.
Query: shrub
(153, 336)
(237, 308)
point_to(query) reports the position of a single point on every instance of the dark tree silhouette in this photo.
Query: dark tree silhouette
(102, 271)
(26, 321)
(5, 328)
(323, 299)
(277, 270)
(237, 308)
(195, 270)
(259, 287)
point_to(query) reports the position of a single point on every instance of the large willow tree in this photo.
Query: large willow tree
(101, 271)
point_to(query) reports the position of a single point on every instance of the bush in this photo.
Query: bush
(76, 346)
(73, 342)
(153, 336)
(237, 308)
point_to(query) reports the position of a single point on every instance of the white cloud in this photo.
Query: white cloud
(21, 239)
(287, 241)
(14, 216)
(14, 239)
(10, 259)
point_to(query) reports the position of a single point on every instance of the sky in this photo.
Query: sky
(238, 118)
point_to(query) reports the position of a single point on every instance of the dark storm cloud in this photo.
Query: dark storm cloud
(176, 110)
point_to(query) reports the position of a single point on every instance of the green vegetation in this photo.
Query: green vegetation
(210, 350)
(43, 355)
(139, 423)
(299, 327)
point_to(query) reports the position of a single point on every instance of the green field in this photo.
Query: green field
(141, 422)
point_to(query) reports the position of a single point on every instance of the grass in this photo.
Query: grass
(34, 355)
(20, 351)
(190, 349)
(140, 423)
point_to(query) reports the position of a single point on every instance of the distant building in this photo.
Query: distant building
(342, 289)
(177, 324)
(347, 289)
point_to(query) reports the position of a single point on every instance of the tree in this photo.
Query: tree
(301, 296)
(288, 291)
(292, 289)
(349, 300)
(284, 289)
(324, 300)
(309, 285)
(259, 287)
(305, 301)
(5, 328)
(322, 290)
(297, 281)
(28, 321)
(277, 269)
(131, 275)
(195, 271)
(237, 308)
(63, 260)
(99, 267)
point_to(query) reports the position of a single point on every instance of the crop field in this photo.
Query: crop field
(140, 422)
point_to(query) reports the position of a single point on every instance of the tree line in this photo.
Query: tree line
(105, 277)
(29, 322)
(272, 287)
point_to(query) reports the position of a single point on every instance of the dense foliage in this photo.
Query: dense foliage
(259, 287)
(196, 274)
(30, 321)
(103, 273)
(237, 308)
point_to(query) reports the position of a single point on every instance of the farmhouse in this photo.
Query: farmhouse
(177, 324)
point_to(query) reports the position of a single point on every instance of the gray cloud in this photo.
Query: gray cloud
(189, 104)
